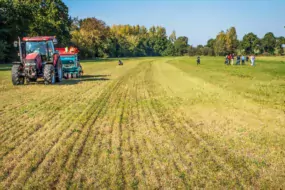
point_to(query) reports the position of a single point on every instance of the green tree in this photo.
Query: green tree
(94, 34)
(170, 50)
(32, 18)
(181, 45)
(200, 50)
(269, 42)
(220, 44)
(172, 36)
(231, 40)
(250, 42)
(279, 50)
(192, 51)
(50, 18)
(210, 43)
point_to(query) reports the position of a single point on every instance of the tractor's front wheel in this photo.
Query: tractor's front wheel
(49, 74)
(17, 79)
(59, 72)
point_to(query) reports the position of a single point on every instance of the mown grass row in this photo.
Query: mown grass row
(155, 125)
(25, 146)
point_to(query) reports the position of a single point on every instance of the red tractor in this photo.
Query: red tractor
(38, 58)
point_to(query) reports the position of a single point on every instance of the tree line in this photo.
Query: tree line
(96, 39)
(227, 42)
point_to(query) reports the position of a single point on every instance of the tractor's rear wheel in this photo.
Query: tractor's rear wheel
(17, 79)
(59, 72)
(49, 74)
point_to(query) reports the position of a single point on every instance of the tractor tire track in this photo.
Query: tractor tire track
(217, 159)
(120, 82)
(102, 109)
(64, 121)
(54, 141)
(27, 136)
(101, 101)
(40, 108)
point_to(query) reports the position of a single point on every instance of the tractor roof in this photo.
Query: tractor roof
(39, 38)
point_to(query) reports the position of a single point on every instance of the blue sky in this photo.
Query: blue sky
(198, 20)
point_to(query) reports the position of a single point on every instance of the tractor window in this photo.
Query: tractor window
(36, 47)
(50, 49)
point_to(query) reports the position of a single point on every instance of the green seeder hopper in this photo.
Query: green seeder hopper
(70, 63)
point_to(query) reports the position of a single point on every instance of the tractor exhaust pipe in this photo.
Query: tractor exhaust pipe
(20, 49)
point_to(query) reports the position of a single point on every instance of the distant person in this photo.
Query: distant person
(226, 60)
(198, 60)
(232, 60)
(120, 62)
(238, 60)
(247, 58)
(252, 59)
(242, 59)
(229, 58)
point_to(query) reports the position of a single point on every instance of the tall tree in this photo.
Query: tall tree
(181, 45)
(170, 50)
(279, 50)
(192, 50)
(51, 19)
(268, 42)
(94, 34)
(172, 36)
(210, 43)
(220, 44)
(250, 42)
(231, 40)
(200, 50)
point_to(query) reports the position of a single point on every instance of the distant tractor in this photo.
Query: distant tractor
(70, 62)
(38, 59)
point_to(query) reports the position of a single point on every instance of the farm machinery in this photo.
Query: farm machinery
(70, 62)
(38, 59)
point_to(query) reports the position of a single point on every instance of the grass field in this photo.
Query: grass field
(154, 123)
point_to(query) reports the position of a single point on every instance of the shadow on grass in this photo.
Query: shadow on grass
(84, 78)
(74, 81)
(92, 76)
(103, 60)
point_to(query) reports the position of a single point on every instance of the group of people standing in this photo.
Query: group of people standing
(231, 57)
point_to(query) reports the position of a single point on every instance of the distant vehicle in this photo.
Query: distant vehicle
(70, 62)
(38, 58)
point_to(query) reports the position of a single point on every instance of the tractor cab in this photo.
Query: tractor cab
(40, 49)
(70, 62)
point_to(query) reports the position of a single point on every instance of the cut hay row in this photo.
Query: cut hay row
(154, 124)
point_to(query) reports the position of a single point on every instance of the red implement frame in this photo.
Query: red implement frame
(70, 51)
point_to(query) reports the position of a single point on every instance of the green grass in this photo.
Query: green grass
(153, 123)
